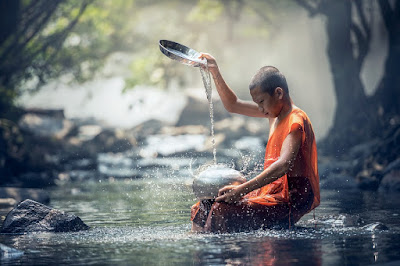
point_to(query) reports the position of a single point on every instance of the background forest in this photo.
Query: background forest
(341, 59)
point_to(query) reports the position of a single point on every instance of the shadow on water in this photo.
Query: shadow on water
(146, 221)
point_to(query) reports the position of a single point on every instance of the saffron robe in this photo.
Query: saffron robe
(283, 201)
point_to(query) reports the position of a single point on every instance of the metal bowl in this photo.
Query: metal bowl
(181, 53)
(208, 182)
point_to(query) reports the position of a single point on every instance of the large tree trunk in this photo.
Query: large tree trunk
(352, 114)
(388, 93)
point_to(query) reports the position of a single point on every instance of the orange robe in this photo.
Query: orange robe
(272, 204)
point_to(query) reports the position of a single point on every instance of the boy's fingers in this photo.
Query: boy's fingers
(220, 198)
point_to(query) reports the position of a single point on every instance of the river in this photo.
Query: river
(146, 222)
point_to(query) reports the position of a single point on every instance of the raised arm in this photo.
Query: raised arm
(231, 102)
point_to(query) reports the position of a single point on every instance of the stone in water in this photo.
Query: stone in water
(208, 182)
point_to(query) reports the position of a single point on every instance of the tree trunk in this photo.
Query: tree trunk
(388, 93)
(352, 110)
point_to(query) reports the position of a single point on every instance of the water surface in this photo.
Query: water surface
(146, 222)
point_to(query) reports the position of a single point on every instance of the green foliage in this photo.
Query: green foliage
(53, 38)
(206, 10)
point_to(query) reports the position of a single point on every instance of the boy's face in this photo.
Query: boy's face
(269, 105)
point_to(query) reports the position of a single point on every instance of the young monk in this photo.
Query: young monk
(288, 188)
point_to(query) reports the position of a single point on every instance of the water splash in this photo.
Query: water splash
(206, 77)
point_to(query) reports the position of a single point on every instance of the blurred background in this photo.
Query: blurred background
(82, 77)
(96, 121)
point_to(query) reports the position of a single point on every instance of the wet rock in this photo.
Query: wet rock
(45, 126)
(21, 194)
(109, 140)
(7, 253)
(341, 220)
(31, 216)
(196, 112)
(364, 149)
(368, 180)
(55, 113)
(236, 127)
(378, 226)
(149, 127)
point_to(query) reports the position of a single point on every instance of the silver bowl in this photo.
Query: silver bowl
(181, 53)
(207, 184)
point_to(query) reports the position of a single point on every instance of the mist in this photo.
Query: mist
(294, 43)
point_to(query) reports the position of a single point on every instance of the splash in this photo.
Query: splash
(206, 77)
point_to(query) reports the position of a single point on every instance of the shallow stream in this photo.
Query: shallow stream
(146, 222)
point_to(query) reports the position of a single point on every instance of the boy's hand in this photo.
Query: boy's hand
(229, 194)
(211, 63)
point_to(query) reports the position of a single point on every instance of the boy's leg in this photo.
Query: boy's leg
(199, 214)
(245, 216)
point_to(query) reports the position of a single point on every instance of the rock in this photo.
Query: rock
(147, 128)
(341, 220)
(378, 226)
(368, 180)
(45, 126)
(31, 216)
(55, 113)
(391, 181)
(196, 112)
(364, 149)
(236, 127)
(7, 253)
(110, 140)
(21, 194)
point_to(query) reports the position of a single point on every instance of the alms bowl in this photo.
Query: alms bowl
(208, 182)
(181, 53)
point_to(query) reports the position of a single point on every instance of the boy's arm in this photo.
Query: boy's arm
(231, 102)
(289, 150)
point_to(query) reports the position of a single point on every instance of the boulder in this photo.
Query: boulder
(31, 216)
(45, 126)
(196, 112)
(377, 226)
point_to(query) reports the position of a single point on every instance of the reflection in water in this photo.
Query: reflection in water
(146, 221)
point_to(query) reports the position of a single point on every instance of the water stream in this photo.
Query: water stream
(206, 77)
(146, 222)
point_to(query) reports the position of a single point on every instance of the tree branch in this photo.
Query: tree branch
(364, 23)
(363, 44)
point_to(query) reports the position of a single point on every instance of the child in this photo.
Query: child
(288, 188)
